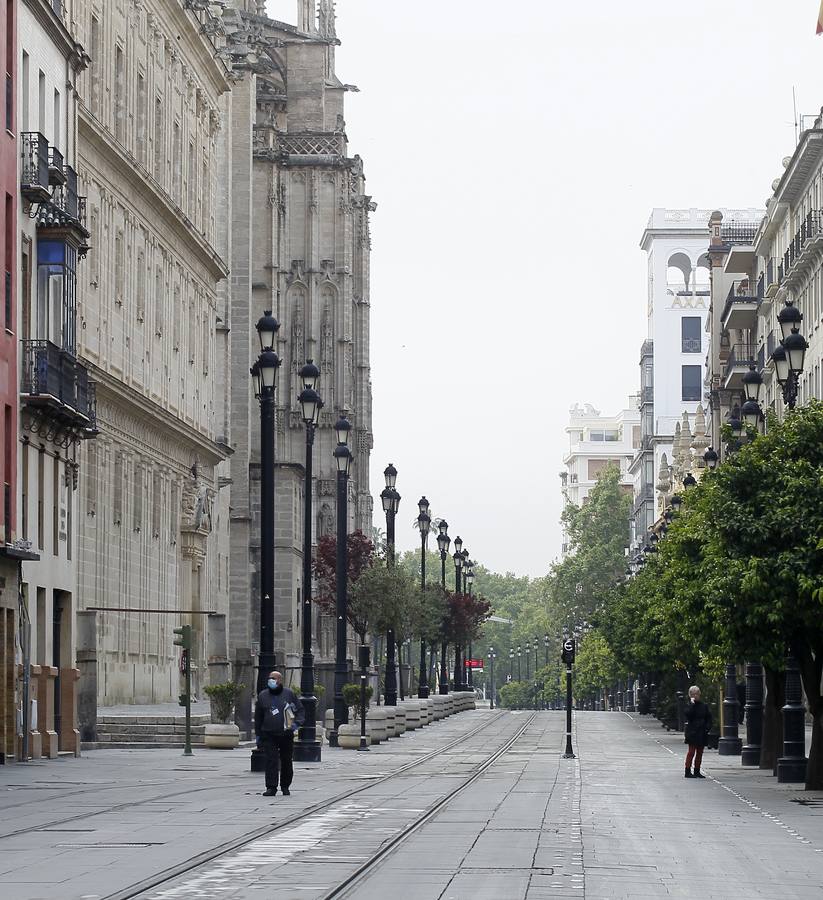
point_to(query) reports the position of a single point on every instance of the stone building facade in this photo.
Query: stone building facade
(300, 247)
(153, 517)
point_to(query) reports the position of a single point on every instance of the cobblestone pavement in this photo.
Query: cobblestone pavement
(620, 821)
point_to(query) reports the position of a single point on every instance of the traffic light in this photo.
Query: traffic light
(184, 639)
(568, 651)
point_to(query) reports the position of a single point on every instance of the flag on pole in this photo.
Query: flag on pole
(820, 19)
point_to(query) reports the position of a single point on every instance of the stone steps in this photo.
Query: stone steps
(145, 732)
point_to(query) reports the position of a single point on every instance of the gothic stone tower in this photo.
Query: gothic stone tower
(300, 246)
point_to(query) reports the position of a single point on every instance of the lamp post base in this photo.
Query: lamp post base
(791, 770)
(307, 751)
(332, 738)
(729, 746)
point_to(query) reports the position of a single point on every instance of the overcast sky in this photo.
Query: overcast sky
(515, 150)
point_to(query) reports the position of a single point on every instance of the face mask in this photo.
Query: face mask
(272, 683)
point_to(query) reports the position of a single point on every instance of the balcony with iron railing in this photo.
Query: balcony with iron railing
(57, 168)
(34, 168)
(740, 357)
(740, 311)
(57, 384)
(802, 249)
(738, 232)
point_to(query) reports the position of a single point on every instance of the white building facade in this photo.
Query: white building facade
(595, 442)
(674, 364)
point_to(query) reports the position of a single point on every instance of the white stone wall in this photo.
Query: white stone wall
(155, 530)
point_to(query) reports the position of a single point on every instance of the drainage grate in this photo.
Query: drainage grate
(112, 845)
(814, 802)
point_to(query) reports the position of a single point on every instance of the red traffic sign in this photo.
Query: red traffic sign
(474, 663)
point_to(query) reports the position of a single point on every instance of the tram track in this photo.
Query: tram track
(344, 888)
(170, 874)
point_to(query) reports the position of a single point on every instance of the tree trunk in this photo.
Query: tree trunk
(772, 747)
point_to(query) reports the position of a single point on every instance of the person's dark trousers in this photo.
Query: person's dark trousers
(279, 750)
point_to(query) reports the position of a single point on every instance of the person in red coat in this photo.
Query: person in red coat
(698, 726)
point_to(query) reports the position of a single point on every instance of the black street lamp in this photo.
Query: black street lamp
(535, 645)
(492, 657)
(711, 459)
(458, 565)
(511, 663)
(789, 356)
(423, 524)
(307, 747)
(265, 373)
(391, 503)
(546, 645)
(443, 542)
(469, 580)
(343, 458)
(519, 672)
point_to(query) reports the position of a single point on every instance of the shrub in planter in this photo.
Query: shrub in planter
(223, 697)
(351, 697)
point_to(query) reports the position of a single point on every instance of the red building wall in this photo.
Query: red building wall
(9, 198)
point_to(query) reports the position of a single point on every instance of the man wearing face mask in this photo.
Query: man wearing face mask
(277, 717)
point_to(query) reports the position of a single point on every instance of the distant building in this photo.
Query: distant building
(674, 356)
(595, 442)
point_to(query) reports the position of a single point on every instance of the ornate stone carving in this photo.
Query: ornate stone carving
(297, 272)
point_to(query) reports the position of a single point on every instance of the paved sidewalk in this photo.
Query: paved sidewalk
(619, 822)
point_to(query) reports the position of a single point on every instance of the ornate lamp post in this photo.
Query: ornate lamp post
(443, 542)
(546, 645)
(492, 657)
(458, 566)
(423, 525)
(469, 579)
(264, 374)
(789, 360)
(391, 503)
(307, 747)
(511, 663)
(519, 656)
(343, 458)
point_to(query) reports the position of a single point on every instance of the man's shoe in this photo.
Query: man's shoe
(689, 774)
(269, 792)
(286, 792)
(698, 774)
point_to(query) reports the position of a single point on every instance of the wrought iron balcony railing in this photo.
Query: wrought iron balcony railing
(34, 173)
(740, 355)
(54, 377)
(57, 174)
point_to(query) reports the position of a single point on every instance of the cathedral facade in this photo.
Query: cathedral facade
(300, 246)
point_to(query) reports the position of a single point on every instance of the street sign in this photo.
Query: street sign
(568, 651)
(474, 663)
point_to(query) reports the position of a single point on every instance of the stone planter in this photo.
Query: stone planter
(222, 737)
(391, 721)
(376, 721)
(348, 736)
(399, 720)
(440, 702)
(412, 711)
(430, 709)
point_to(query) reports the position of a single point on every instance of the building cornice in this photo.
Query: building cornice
(71, 49)
(141, 182)
(202, 50)
(136, 405)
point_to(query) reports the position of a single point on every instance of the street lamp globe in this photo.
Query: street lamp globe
(689, 480)
(268, 363)
(789, 319)
(470, 575)
(442, 527)
(458, 544)
(395, 500)
(310, 402)
(267, 328)
(390, 474)
(795, 346)
(423, 506)
(343, 457)
(256, 380)
(443, 541)
(309, 374)
(458, 558)
(752, 382)
(386, 500)
(342, 428)
(736, 423)
(710, 458)
(751, 413)
(781, 364)
(424, 523)
(677, 502)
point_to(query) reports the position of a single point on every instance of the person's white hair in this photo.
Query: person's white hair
(694, 691)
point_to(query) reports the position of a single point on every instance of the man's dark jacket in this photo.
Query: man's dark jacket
(698, 724)
(268, 712)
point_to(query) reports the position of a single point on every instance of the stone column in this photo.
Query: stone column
(35, 740)
(87, 682)
(45, 711)
(69, 733)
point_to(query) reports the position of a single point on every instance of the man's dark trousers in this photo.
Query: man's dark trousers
(279, 750)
